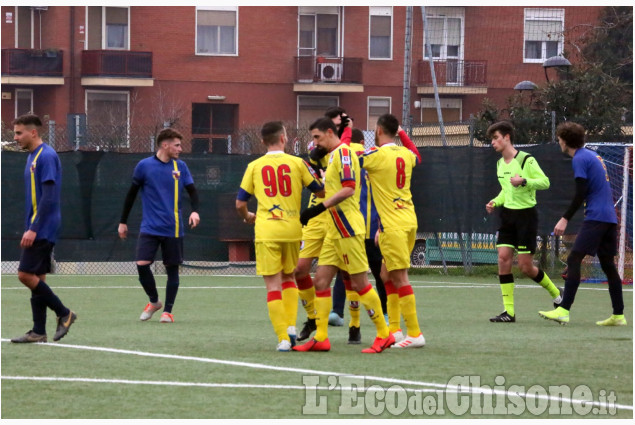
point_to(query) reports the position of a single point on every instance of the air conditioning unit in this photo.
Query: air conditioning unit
(40, 8)
(330, 71)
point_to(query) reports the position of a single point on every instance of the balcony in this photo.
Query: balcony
(319, 74)
(117, 68)
(453, 77)
(32, 66)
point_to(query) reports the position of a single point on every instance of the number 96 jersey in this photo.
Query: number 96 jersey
(276, 180)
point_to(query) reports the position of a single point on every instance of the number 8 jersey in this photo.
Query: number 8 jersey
(277, 179)
(389, 171)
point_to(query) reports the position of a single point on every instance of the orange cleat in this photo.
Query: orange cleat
(380, 344)
(314, 345)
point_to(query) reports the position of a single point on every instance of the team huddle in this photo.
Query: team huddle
(360, 215)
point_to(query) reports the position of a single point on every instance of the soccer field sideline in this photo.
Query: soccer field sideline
(428, 387)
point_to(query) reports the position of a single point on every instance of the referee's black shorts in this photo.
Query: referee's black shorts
(36, 259)
(518, 229)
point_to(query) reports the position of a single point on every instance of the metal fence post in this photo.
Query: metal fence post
(553, 127)
(51, 141)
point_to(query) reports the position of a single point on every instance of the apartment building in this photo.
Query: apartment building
(122, 72)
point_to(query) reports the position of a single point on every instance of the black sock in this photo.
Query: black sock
(50, 299)
(146, 278)
(172, 287)
(38, 307)
(615, 284)
(572, 282)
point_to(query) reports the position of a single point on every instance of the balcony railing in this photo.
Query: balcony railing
(116, 63)
(311, 69)
(453, 72)
(32, 62)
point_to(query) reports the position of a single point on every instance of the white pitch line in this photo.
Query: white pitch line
(453, 388)
(209, 384)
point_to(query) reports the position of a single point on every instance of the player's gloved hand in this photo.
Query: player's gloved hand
(309, 213)
(317, 153)
(345, 120)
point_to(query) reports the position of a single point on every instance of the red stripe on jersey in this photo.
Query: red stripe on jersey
(345, 157)
(349, 183)
(339, 224)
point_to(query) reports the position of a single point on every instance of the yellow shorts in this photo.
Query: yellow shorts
(396, 246)
(274, 257)
(310, 248)
(348, 254)
(313, 236)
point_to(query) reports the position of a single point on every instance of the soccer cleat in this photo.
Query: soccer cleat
(504, 317)
(166, 317)
(614, 320)
(314, 345)
(380, 344)
(30, 336)
(63, 324)
(354, 335)
(291, 333)
(149, 310)
(411, 342)
(559, 298)
(335, 319)
(284, 345)
(398, 336)
(307, 328)
(559, 315)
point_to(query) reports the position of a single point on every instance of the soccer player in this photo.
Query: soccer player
(42, 188)
(161, 178)
(520, 177)
(344, 245)
(314, 232)
(276, 179)
(389, 170)
(373, 254)
(598, 234)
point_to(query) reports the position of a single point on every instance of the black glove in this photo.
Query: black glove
(309, 213)
(343, 125)
(318, 153)
(345, 120)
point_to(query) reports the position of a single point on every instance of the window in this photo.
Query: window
(23, 102)
(216, 30)
(311, 108)
(380, 33)
(318, 32)
(543, 34)
(107, 117)
(377, 106)
(445, 30)
(451, 110)
(24, 27)
(107, 27)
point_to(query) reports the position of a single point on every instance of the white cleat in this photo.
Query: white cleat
(411, 342)
(150, 309)
(398, 336)
(284, 345)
